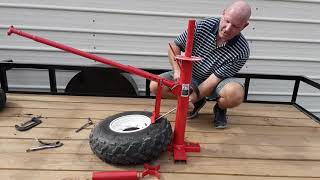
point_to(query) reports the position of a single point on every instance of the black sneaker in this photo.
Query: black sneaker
(220, 117)
(197, 106)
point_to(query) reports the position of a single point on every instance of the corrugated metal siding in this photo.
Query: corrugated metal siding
(283, 35)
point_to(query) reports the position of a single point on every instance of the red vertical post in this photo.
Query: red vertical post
(179, 146)
(189, 45)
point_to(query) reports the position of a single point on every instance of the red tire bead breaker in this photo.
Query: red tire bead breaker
(181, 89)
(127, 175)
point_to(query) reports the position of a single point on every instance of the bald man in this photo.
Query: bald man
(224, 51)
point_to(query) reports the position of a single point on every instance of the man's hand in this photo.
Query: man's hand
(176, 75)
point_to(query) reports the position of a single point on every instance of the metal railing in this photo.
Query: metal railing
(9, 64)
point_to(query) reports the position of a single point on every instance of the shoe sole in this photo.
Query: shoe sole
(197, 112)
(221, 127)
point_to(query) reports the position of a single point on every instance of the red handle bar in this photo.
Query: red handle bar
(126, 68)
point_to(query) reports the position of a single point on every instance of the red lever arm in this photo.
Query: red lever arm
(126, 68)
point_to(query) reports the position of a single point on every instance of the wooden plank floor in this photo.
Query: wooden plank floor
(263, 141)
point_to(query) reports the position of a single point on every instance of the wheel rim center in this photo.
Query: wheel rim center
(130, 123)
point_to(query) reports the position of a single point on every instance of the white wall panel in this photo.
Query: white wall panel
(77, 40)
(283, 30)
(158, 44)
(278, 66)
(290, 50)
(57, 57)
(283, 35)
(260, 8)
(141, 23)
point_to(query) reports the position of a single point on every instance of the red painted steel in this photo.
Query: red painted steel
(127, 175)
(180, 147)
(151, 170)
(180, 89)
(127, 68)
(115, 175)
(147, 75)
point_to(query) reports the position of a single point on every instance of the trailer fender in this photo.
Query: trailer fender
(110, 82)
(3, 99)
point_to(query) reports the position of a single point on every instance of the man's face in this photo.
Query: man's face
(230, 25)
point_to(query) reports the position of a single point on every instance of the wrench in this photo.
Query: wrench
(45, 145)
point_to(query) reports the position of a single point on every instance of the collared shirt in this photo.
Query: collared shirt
(223, 61)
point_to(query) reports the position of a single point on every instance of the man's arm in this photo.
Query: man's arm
(205, 88)
(173, 62)
(175, 67)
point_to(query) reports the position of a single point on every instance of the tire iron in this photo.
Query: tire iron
(127, 175)
(170, 111)
(90, 122)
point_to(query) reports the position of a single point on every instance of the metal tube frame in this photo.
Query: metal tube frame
(106, 61)
(178, 145)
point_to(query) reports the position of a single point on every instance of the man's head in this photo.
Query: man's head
(234, 19)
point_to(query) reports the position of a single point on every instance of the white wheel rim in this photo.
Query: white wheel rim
(130, 123)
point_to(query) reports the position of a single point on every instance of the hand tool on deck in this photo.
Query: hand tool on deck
(90, 122)
(127, 175)
(29, 124)
(45, 145)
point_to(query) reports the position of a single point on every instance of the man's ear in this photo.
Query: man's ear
(223, 12)
(246, 25)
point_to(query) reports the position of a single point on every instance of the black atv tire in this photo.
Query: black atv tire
(127, 148)
(3, 99)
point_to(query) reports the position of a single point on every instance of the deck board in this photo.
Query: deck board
(84, 175)
(232, 119)
(263, 141)
(208, 150)
(202, 137)
(200, 165)
(267, 111)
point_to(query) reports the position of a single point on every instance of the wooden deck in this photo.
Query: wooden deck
(263, 141)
